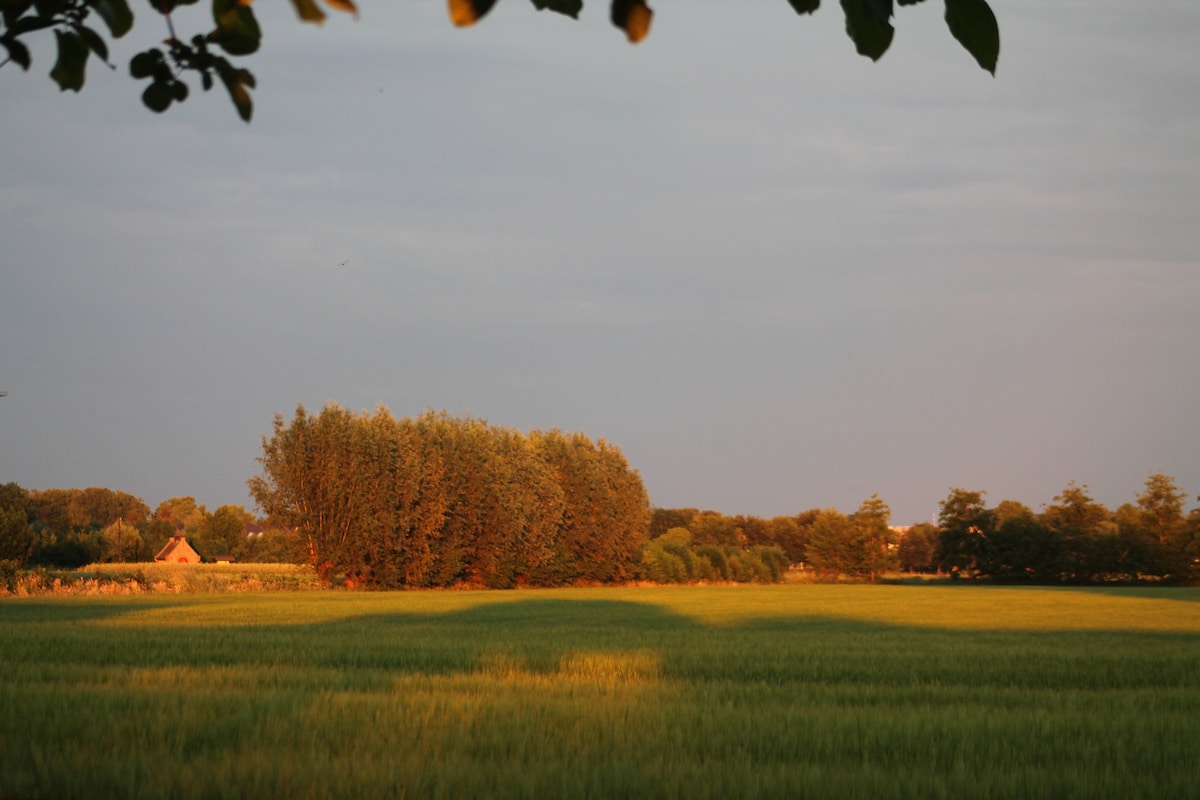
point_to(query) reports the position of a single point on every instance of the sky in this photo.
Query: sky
(776, 274)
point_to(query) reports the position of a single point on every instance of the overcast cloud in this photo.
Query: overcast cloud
(777, 275)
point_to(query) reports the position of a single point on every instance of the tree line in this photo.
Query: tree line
(825, 542)
(71, 528)
(438, 500)
(1073, 540)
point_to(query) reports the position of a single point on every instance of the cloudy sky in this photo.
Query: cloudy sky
(776, 274)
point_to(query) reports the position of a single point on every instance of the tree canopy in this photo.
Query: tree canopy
(439, 500)
(236, 33)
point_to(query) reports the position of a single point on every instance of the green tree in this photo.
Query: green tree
(858, 546)
(964, 523)
(183, 514)
(873, 538)
(1161, 504)
(357, 492)
(1021, 548)
(605, 517)
(830, 541)
(917, 551)
(121, 542)
(86, 28)
(788, 535)
(222, 533)
(663, 519)
(713, 527)
(274, 545)
(16, 534)
(1155, 534)
(1087, 536)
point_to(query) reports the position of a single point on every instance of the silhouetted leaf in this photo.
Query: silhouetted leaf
(69, 70)
(570, 8)
(158, 97)
(468, 12)
(116, 15)
(237, 30)
(633, 17)
(18, 52)
(143, 64)
(868, 23)
(974, 25)
(94, 42)
(805, 6)
(236, 83)
(309, 11)
(28, 24)
(11, 10)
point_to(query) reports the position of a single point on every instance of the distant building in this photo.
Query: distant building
(178, 551)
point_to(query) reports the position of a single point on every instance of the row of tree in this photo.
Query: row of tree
(831, 544)
(674, 557)
(1073, 540)
(74, 527)
(439, 500)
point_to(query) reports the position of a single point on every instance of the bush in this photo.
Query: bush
(9, 571)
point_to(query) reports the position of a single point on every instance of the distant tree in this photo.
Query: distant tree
(917, 550)
(1161, 504)
(674, 557)
(96, 507)
(440, 500)
(183, 514)
(1087, 536)
(830, 542)
(274, 546)
(755, 531)
(858, 546)
(16, 534)
(964, 523)
(121, 542)
(358, 491)
(713, 527)
(221, 533)
(663, 519)
(1021, 548)
(155, 534)
(789, 535)
(605, 516)
(207, 53)
(1155, 532)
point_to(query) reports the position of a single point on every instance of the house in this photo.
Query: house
(178, 551)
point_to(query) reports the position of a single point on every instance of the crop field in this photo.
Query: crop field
(683, 692)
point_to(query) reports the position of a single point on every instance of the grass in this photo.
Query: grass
(731, 691)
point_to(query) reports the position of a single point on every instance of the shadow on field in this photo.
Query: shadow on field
(35, 611)
(553, 637)
(1179, 593)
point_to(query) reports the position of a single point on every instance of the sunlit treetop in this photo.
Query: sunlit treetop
(236, 32)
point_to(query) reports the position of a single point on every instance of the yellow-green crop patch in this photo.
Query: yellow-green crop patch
(740, 691)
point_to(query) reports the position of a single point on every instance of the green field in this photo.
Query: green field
(689, 692)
